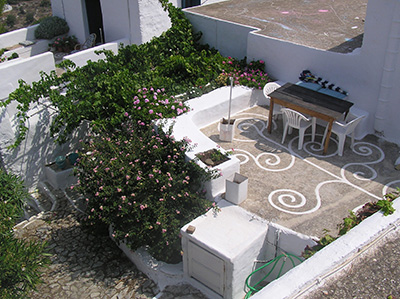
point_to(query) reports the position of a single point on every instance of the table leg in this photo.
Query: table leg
(328, 136)
(271, 110)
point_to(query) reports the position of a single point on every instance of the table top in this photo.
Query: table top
(312, 100)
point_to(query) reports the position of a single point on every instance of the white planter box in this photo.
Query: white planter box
(227, 169)
(236, 188)
(226, 130)
(60, 179)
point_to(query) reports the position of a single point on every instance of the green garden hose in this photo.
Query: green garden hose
(256, 287)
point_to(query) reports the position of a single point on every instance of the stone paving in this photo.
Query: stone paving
(84, 265)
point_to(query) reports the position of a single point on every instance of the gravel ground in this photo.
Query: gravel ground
(375, 274)
(82, 265)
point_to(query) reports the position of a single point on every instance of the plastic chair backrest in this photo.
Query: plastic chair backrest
(270, 87)
(293, 117)
(90, 42)
(351, 125)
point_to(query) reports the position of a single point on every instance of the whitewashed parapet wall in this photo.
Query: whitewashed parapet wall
(26, 69)
(369, 73)
(229, 38)
(38, 149)
(80, 58)
(14, 37)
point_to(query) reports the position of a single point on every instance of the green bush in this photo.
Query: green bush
(138, 182)
(20, 261)
(50, 27)
(10, 20)
(29, 18)
(45, 3)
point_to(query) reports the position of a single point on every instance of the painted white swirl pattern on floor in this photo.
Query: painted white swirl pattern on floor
(293, 201)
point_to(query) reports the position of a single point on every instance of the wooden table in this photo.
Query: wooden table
(309, 102)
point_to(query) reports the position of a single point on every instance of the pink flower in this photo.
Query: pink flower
(119, 189)
(151, 111)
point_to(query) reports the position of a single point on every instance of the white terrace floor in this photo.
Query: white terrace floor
(305, 190)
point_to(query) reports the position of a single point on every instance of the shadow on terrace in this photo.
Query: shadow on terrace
(305, 190)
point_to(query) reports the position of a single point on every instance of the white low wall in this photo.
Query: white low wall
(80, 58)
(205, 110)
(26, 69)
(12, 38)
(313, 271)
(39, 47)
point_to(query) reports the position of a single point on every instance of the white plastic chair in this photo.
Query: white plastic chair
(294, 119)
(269, 88)
(342, 130)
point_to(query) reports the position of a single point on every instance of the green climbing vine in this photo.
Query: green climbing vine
(100, 92)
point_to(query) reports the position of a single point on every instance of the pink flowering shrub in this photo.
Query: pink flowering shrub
(141, 186)
(152, 103)
(247, 74)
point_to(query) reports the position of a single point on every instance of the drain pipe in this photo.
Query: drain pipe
(392, 52)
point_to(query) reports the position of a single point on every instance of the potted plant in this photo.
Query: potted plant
(64, 44)
(213, 157)
(227, 126)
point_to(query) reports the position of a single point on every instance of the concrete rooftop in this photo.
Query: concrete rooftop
(333, 25)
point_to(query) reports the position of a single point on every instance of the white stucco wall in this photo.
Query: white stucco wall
(81, 58)
(74, 12)
(38, 149)
(360, 72)
(153, 19)
(228, 37)
(138, 20)
(26, 69)
(116, 22)
(382, 54)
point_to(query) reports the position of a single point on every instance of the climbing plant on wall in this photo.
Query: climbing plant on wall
(99, 91)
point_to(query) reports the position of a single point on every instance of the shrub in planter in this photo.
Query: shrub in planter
(13, 56)
(248, 74)
(20, 261)
(50, 27)
(64, 44)
(138, 182)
